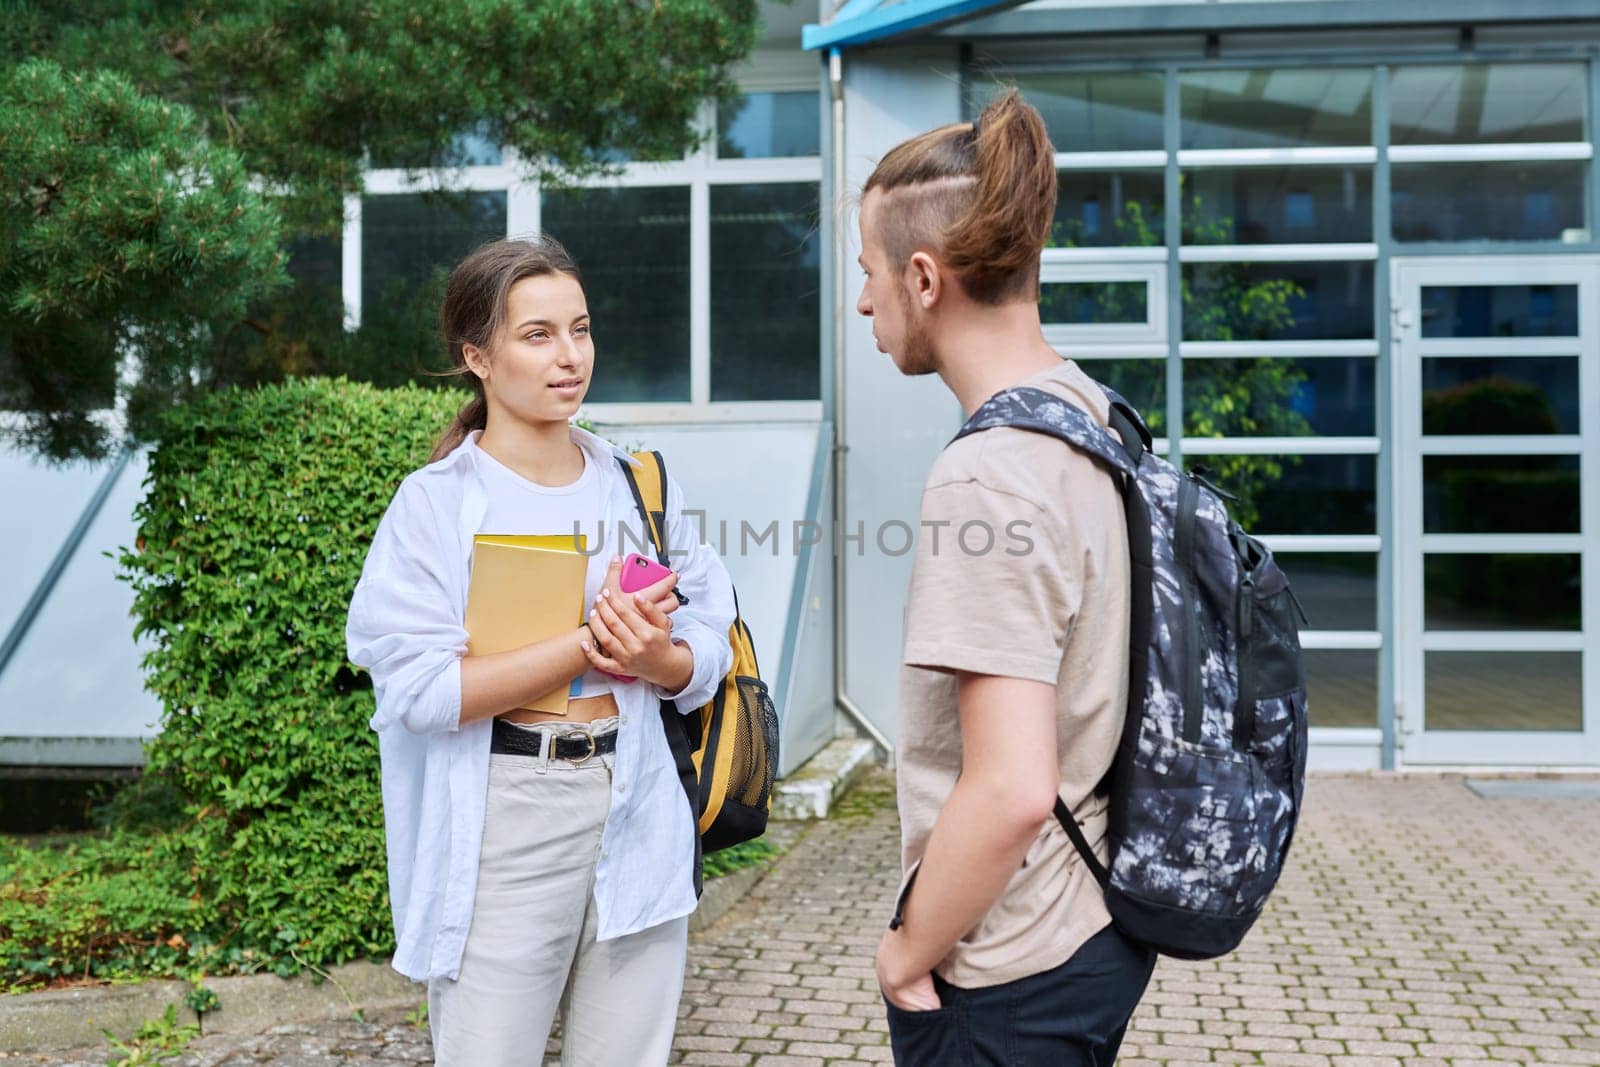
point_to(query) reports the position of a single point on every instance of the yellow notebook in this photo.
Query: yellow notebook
(525, 588)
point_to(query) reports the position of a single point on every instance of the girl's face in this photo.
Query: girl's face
(542, 358)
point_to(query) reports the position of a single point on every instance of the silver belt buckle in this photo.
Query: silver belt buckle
(587, 756)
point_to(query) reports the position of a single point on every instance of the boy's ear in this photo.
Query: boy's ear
(926, 280)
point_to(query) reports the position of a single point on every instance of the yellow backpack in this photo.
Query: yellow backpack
(727, 750)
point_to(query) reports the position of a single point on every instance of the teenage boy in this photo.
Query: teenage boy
(1015, 677)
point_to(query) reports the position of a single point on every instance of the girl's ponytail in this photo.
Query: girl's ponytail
(474, 415)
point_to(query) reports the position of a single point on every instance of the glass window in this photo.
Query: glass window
(1096, 208)
(30, 536)
(1278, 397)
(469, 148)
(1500, 494)
(1276, 108)
(1339, 590)
(1502, 592)
(1090, 112)
(315, 261)
(1499, 311)
(1142, 383)
(1277, 301)
(1343, 686)
(1503, 690)
(1094, 303)
(1510, 395)
(1296, 494)
(406, 239)
(633, 248)
(1277, 205)
(1487, 201)
(78, 671)
(767, 125)
(1495, 103)
(765, 319)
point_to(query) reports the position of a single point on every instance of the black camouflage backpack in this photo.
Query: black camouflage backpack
(1209, 777)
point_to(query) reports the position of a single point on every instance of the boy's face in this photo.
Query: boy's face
(898, 324)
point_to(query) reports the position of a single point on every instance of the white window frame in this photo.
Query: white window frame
(1151, 332)
(698, 171)
(1419, 745)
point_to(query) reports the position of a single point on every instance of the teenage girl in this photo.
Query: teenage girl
(536, 862)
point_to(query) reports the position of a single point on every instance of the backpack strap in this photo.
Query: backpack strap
(1081, 843)
(1027, 408)
(650, 496)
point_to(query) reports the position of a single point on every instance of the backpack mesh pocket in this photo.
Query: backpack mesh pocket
(755, 744)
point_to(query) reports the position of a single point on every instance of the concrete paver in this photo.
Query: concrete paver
(1417, 923)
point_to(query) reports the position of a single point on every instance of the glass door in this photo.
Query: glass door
(1496, 386)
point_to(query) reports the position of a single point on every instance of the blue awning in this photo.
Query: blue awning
(865, 21)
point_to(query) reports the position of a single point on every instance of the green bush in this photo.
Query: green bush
(258, 838)
(255, 839)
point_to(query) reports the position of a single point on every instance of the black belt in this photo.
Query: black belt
(510, 740)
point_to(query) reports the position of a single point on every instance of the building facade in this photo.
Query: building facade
(1342, 254)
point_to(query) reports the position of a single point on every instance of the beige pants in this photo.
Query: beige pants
(531, 948)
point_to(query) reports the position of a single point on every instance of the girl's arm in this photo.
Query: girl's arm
(504, 680)
(404, 624)
(405, 628)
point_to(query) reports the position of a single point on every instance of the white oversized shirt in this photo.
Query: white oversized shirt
(406, 628)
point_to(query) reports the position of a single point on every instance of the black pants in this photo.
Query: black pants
(1072, 1015)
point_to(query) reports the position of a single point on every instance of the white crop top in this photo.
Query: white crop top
(519, 506)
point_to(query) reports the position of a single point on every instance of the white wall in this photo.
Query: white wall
(894, 426)
(74, 691)
(754, 473)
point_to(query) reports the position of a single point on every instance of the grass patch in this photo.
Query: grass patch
(871, 796)
(749, 854)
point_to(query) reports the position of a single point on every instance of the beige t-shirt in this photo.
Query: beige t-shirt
(1048, 601)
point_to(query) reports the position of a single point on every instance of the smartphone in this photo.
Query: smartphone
(639, 571)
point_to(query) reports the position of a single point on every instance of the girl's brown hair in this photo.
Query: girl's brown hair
(475, 310)
(980, 195)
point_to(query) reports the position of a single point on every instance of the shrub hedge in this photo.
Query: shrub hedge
(255, 839)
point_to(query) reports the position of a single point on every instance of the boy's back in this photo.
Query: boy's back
(1048, 601)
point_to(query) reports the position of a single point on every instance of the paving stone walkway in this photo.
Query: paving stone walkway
(1418, 924)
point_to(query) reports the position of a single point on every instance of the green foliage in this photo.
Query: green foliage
(1231, 398)
(155, 1040)
(251, 537)
(92, 908)
(255, 839)
(738, 857)
(303, 89)
(1512, 407)
(201, 998)
(127, 242)
(1133, 228)
(155, 158)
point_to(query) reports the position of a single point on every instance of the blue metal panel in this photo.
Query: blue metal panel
(1257, 15)
(866, 21)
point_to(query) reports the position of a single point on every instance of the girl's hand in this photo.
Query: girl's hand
(660, 593)
(635, 637)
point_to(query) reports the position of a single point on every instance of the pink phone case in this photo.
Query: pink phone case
(639, 571)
